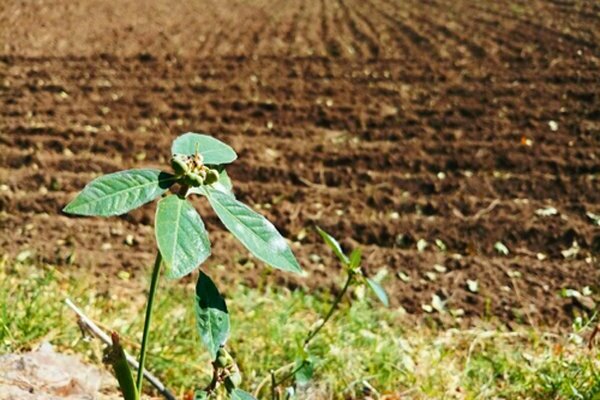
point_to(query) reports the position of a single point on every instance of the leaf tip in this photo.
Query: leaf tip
(67, 209)
(72, 209)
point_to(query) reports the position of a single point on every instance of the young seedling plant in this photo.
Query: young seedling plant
(198, 163)
(302, 368)
(198, 168)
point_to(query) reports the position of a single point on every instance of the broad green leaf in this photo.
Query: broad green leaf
(238, 394)
(255, 232)
(182, 240)
(223, 185)
(212, 318)
(213, 150)
(120, 192)
(379, 292)
(334, 245)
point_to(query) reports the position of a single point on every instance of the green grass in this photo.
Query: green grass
(365, 346)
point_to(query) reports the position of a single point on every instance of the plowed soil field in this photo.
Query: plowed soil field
(424, 131)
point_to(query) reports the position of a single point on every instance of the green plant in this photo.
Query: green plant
(302, 368)
(198, 163)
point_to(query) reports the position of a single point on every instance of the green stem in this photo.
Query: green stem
(307, 341)
(331, 310)
(288, 376)
(148, 318)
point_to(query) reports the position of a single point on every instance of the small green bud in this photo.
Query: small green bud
(224, 359)
(221, 361)
(212, 176)
(196, 179)
(179, 164)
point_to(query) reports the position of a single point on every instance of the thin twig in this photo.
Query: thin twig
(86, 323)
(486, 210)
(592, 337)
(479, 213)
(266, 379)
(273, 384)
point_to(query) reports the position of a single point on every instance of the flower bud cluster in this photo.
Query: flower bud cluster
(231, 375)
(192, 171)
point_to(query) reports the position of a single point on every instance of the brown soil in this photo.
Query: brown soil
(383, 122)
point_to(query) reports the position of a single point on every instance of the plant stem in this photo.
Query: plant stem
(337, 300)
(288, 376)
(148, 318)
(273, 384)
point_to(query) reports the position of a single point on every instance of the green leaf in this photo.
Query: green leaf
(120, 192)
(213, 150)
(224, 183)
(334, 245)
(355, 258)
(212, 318)
(304, 371)
(182, 240)
(379, 292)
(255, 232)
(238, 394)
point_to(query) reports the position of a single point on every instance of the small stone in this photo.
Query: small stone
(473, 286)
(585, 302)
(546, 212)
(403, 277)
(129, 240)
(427, 308)
(432, 276)
(438, 304)
(501, 248)
(124, 275)
(441, 245)
(459, 312)
(440, 268)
